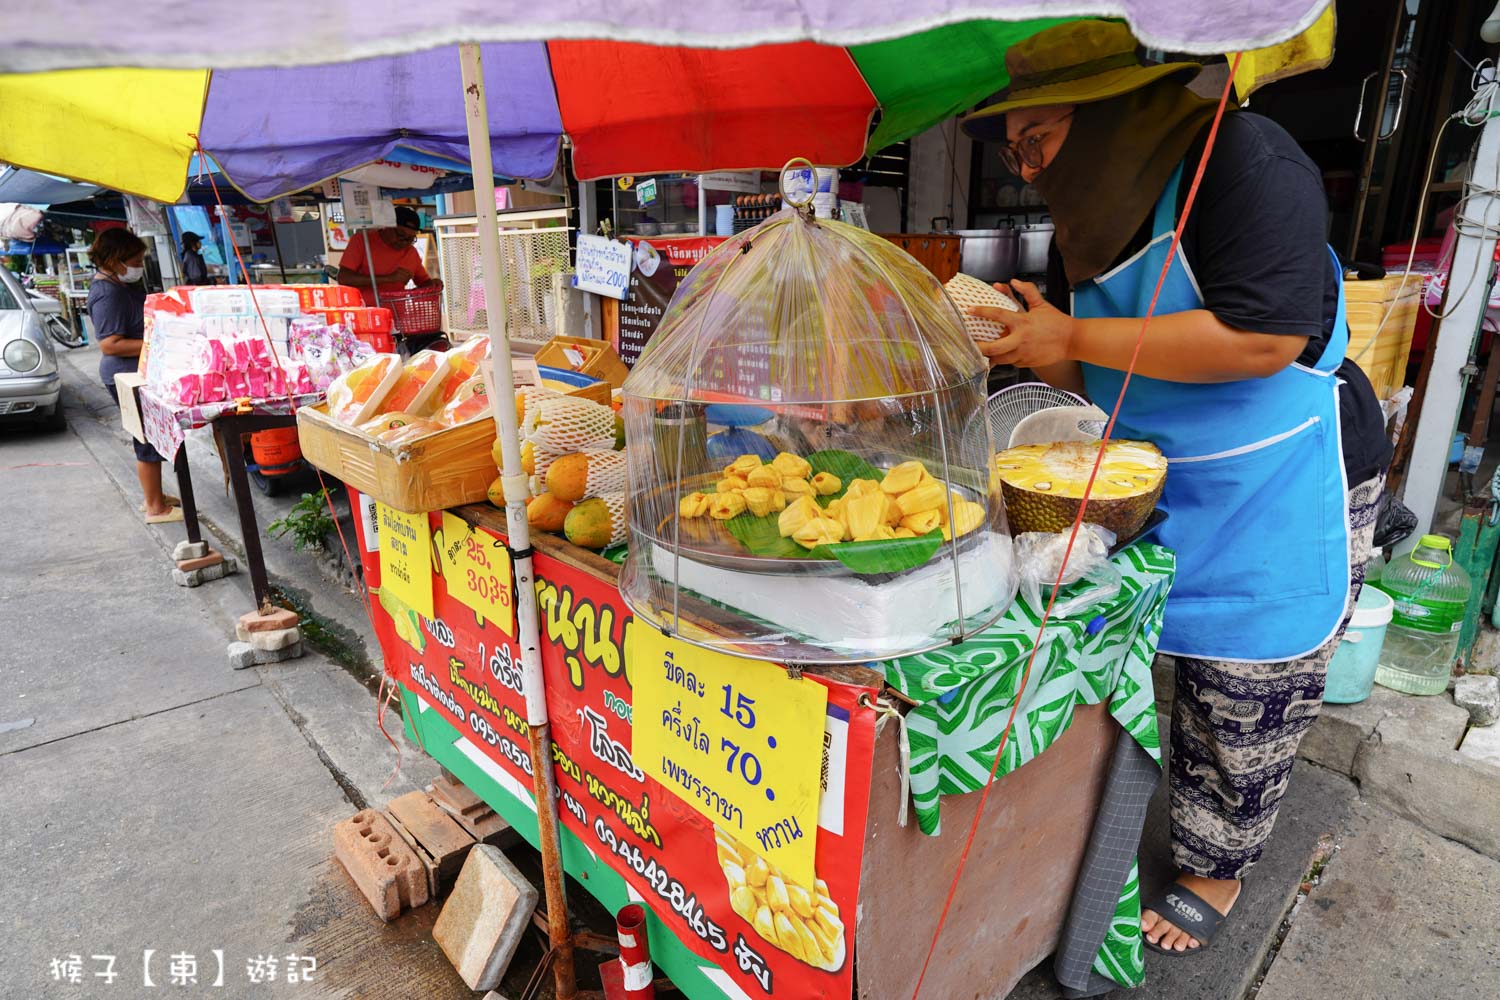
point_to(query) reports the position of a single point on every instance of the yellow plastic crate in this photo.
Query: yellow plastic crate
(1366, 303)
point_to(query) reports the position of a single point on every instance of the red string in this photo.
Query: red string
(1135, 355)
(381, 699)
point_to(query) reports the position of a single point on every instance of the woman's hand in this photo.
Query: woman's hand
(1039, 337)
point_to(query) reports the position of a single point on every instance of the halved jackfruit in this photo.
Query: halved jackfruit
(1043, 484)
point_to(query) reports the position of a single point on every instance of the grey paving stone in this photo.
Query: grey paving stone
(1400, 912)
(1479, 695)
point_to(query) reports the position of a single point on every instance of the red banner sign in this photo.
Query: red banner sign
(770, 936)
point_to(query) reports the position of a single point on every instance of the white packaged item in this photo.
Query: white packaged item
(178, 348)
(237, 301)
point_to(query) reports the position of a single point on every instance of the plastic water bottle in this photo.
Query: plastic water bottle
(1430, 592)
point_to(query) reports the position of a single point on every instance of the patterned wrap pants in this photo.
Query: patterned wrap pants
(1235, 730)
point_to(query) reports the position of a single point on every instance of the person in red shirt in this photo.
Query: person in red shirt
(393, 260)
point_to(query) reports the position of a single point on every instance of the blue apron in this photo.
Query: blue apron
(1255, 492)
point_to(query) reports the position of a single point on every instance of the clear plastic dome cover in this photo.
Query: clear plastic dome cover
(809, 455)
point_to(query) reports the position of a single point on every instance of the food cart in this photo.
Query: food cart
(787, 824)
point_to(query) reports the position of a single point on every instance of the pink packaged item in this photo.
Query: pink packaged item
(215, 387)
(237, 385)
(185, 390)
(259, 384)
(218, 357)
(260, 353)
(275, 381)
(300, 380)
(241, 352)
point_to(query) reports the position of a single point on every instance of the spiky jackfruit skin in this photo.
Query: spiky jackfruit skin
(1043, 484)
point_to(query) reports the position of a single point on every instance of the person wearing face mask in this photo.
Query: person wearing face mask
(1275, 445)
(117, 308)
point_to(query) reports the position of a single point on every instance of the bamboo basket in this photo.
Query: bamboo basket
(442, 470)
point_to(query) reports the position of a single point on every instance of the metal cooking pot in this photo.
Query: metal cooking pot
(986, 254)
(1035, 240)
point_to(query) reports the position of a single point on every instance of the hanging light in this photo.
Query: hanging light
(1490, 30)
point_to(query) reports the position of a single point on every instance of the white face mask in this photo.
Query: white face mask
(132, 274)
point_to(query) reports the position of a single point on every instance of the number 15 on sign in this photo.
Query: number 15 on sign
(737, 740)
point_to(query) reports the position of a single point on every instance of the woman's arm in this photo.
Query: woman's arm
(1191, 346)
(358, 279)
(117, 346)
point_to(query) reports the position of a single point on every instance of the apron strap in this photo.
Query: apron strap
(1166, 206)
(1338, 340)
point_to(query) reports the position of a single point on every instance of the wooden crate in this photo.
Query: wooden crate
(1366, 304)
(441, 470)
(935, 251)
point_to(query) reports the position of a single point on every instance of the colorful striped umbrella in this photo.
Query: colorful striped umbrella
(626, 107)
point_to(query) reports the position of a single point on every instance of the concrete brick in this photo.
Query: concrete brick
(1482, 744)
(1479, 695)
(1334, 738)
(201, 562)
(241, 655)
(1408, 770)
(189, 550)
(277, 639)
(384, 868)
(271, 621)
(263, 656)
(198, 577)
(442, 842)
(484, 919)
(1484, 658)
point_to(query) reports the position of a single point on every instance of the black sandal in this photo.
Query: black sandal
(1185, 910)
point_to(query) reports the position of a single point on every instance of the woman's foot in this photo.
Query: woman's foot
(1221, 894)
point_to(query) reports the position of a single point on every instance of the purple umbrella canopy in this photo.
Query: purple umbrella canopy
(349, 114)
(173, 33)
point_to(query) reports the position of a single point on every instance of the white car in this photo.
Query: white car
(30, 384)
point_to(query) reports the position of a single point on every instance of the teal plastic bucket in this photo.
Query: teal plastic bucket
(1351, 672)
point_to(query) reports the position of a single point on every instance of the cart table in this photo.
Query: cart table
(1052, 867)
(166, 427)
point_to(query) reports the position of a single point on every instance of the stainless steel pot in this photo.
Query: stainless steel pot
(1034, 240)
(986, 254)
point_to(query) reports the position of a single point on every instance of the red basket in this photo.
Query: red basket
(419, 310)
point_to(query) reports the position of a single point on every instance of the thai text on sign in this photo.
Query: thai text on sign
(736, 739)
(477, 572)
(406, 557)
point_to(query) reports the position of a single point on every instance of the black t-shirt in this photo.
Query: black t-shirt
(1257, 245)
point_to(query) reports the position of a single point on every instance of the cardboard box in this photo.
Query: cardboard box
(128, 386)
(588, 357)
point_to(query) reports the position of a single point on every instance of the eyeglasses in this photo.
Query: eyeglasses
(1027, 150)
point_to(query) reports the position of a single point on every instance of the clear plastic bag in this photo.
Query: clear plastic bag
(1039, 553)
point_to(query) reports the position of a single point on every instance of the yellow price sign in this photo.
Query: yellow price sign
(406, 557)
(736, 739)
(476, 569)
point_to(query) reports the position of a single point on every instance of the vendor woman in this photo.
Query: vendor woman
(1238, 382)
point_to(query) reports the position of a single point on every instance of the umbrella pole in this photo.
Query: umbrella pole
(502, 391)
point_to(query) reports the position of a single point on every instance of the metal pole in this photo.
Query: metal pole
(276, 243)
(514, 481)
(370, 263)
(588, 223)
(1472, 255)
(702, 208)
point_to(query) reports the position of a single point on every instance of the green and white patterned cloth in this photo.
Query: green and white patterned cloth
(964, 694)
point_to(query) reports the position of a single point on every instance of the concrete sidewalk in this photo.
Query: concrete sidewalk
(155, 799)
